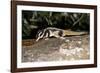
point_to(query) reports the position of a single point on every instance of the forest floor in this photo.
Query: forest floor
(54, 49)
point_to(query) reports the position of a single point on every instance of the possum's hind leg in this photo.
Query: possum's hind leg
(63, 38)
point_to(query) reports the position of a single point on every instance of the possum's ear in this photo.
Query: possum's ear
(60, 33)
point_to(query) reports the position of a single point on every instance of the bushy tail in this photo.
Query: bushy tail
(70, 33)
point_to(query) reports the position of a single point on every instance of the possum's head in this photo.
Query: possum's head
(39, 35)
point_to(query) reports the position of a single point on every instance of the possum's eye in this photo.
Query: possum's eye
(37, 35)
(40, 33)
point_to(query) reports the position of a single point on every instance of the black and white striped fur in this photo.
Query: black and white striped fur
(55, 32)
(49, 32)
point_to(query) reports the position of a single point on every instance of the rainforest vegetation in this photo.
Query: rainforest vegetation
(32, 21)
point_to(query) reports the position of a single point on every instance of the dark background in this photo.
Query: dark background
(32, 21)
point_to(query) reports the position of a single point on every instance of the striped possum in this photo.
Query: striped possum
(55, 32)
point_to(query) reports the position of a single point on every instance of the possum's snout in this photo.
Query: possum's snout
(37, 39)
(39, 35)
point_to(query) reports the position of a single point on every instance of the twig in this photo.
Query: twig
(78, 20)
